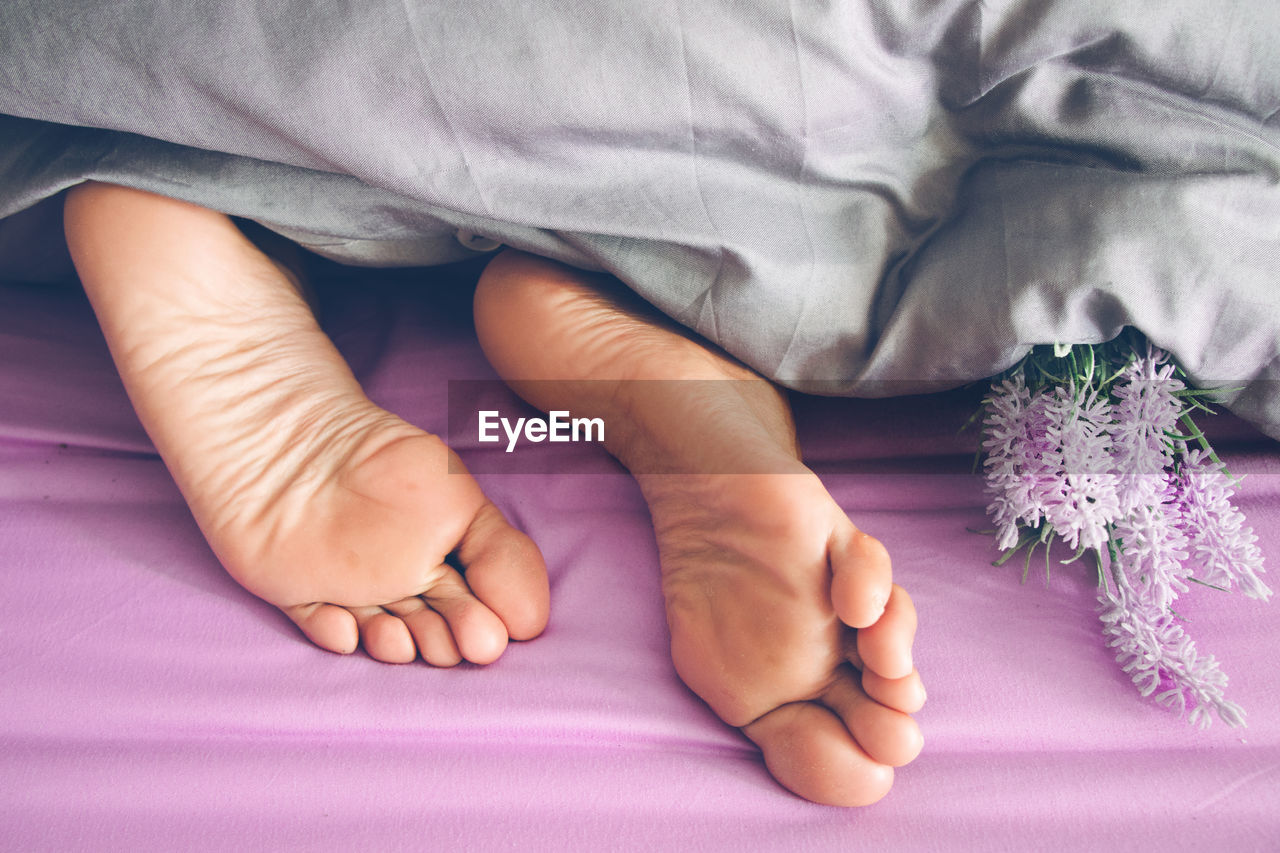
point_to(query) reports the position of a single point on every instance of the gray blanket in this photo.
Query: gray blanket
(855, 197)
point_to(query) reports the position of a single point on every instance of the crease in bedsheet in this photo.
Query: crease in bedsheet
(263, 106)
(1017, 76)
(798, 186)
(1236, 785)
(22, 439)
(1232, 26)
(436, 798)
(425, 64)
(55, 648)
(612, 733)
(959, 746)
(1232, 120)
(708, 297)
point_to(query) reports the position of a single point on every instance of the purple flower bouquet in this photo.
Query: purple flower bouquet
(1094, 445)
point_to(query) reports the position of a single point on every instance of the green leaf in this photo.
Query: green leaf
(1206, 583)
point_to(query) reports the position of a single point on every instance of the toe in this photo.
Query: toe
(861, 575)
(481, 637)
(904, 694)
(328, 626)
(811, 753)
(505, 570)
(430, 632)
(885, 646)
(385, 637)
(886, 734)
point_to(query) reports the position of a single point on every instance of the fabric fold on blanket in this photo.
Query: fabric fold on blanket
(856, 198)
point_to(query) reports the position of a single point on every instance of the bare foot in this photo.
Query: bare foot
(314, 499)
(783, 615)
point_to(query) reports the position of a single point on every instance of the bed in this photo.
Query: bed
(151, 703)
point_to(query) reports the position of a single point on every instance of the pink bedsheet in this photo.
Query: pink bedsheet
(150, 703)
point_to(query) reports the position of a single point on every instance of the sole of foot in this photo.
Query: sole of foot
(783, 614)
(361, 528)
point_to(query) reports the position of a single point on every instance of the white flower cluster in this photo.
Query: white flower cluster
(1105, 470)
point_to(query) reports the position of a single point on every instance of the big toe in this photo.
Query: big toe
(505, 570)
(888, 735)
(810, 752)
